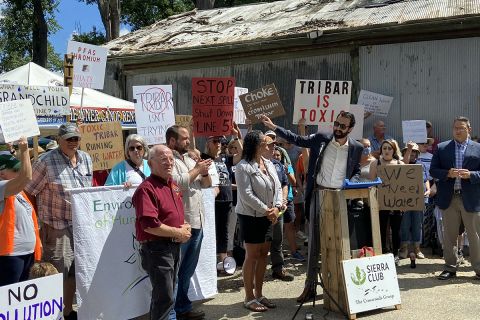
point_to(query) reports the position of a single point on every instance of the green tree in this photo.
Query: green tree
(110, 11)
(94, 37)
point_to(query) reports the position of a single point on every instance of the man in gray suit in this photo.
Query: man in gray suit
(456, 165)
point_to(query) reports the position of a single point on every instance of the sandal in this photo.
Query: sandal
(255, 306)
(267, 303)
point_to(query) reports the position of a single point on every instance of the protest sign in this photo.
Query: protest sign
(183, 120)
(46, 101)
(320, 101)
(358, 113)
(40, 298)
(104, 143)
(262, 101)
(402, 187)
(154, 111)
(98, 114)
(238, 113)
(212, 106)
(371, 283)
(375, 103)
(414, 130)
(89, 64)
(104, 231)
(17, 119)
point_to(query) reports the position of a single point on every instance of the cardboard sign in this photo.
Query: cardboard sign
(183, 120)
(238, 113)
(17, 119)
(262, 101)
(320, 101)
(104, 143)
(375, 103)
(402, 187)
(154, 111)
(212, 106)
(46, 101)
(371, 283)
(414, 130)
(40, 298)
(89, 64)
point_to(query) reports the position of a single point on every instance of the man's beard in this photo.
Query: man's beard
(338, 134)
(181, 149)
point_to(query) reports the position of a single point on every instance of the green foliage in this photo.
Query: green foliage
(94, 37)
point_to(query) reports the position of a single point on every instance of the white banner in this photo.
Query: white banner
(375, 103)
(17, 119)
(371, 283)
(154, 111)
(320, 101)
(238, 113)
(46, 101)
(89, 64)
(40, 298)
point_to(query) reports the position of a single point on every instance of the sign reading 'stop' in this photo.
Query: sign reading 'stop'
(262, 101)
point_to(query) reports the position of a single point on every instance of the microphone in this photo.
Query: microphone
(317, 163)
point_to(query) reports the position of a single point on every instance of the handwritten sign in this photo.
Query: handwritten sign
(262, 101)
(40, 298)
(212, 105)
(414, 130)
(183, 120)
(104, 143)
(17, 119)
(89, 64)
(154, 111)
(320, 101)
(238, 113)
(402, 187)
(375, 103)
(371, 283)
(46, 101)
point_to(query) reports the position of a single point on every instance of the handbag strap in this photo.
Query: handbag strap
(137, 170)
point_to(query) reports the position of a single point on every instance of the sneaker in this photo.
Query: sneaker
(301, 235)
(282, 275)
(420, 255)
(403, 253)
(298, 256)
(397, 261)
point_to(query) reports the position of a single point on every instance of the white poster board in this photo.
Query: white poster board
(371, 283)
(154, 111)
(358, 112)
(40, 298)
(17, 119)
(46, 101)
(89, 64)
(414, 130)
(238, 113)
(320, 101)
(375, 103)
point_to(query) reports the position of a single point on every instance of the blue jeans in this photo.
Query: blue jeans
(190, 251)
(411, 227)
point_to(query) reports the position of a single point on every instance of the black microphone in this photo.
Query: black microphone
(317, 163)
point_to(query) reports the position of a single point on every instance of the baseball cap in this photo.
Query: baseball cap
(9, 162)
(269, 140)
(414, 148)
(68, 130)
(270, 133)
(51, 145)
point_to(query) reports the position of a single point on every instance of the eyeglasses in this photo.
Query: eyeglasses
(133, 148)
(215, 140)
(340, 125)
(73, 139)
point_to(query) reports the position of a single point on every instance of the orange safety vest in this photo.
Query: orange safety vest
(7, 228)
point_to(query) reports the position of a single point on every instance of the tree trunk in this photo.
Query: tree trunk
(110, 14)
(204, 4)
(39, 35)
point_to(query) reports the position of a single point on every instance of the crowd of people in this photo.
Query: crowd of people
(269, 181)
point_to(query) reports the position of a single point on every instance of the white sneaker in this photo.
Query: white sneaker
(301, 235)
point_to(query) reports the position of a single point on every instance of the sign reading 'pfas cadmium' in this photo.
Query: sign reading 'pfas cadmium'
(89, 64)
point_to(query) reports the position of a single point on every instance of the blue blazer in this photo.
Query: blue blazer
(443, 160)
(317, 144)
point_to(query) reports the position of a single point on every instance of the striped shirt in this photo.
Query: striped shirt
(52, 175)
(459, 155)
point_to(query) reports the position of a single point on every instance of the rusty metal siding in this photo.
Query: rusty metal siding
(433, 80)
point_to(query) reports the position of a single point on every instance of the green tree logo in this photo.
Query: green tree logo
(359, 277)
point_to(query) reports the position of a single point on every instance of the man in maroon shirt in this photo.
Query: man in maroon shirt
(160, 228)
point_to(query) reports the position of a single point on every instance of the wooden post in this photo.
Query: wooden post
(68, 75)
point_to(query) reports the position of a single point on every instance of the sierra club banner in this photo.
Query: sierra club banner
(104, 237)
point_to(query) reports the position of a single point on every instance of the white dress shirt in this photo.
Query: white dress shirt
(334, 165)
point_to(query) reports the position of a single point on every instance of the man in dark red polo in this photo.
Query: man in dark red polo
(160, 228)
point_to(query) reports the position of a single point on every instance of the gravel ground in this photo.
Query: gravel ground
(423, 296)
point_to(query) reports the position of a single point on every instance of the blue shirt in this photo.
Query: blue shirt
(375, 144)
(459, 156)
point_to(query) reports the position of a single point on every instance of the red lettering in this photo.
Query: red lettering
(326, 103)
(303, 113)
(322, 113)
(313, 114)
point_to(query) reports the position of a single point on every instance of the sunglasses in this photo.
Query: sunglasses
(215, 140)
(340, 125)
(133, 148)
(73, 139)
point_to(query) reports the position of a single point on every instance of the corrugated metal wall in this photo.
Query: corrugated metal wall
(433, 80)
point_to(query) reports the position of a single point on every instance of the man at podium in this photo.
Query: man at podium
(333, 158)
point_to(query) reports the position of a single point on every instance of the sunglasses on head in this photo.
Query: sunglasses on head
(73, 139)
(138, 148)
(340, 125)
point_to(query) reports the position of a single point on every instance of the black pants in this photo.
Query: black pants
(15, 269)
(222, 215)
(395, 218)
(161, 260)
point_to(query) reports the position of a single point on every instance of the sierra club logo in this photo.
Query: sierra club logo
(359, 277)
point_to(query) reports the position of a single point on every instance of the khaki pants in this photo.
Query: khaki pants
(452, 217)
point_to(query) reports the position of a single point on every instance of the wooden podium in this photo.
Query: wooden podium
(335, 240)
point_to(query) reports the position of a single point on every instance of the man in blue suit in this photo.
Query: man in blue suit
(456, 165)
(332, 159)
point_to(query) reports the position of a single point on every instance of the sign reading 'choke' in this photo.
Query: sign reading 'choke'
(262, 101)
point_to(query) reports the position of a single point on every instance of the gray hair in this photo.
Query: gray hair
(137, 138)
